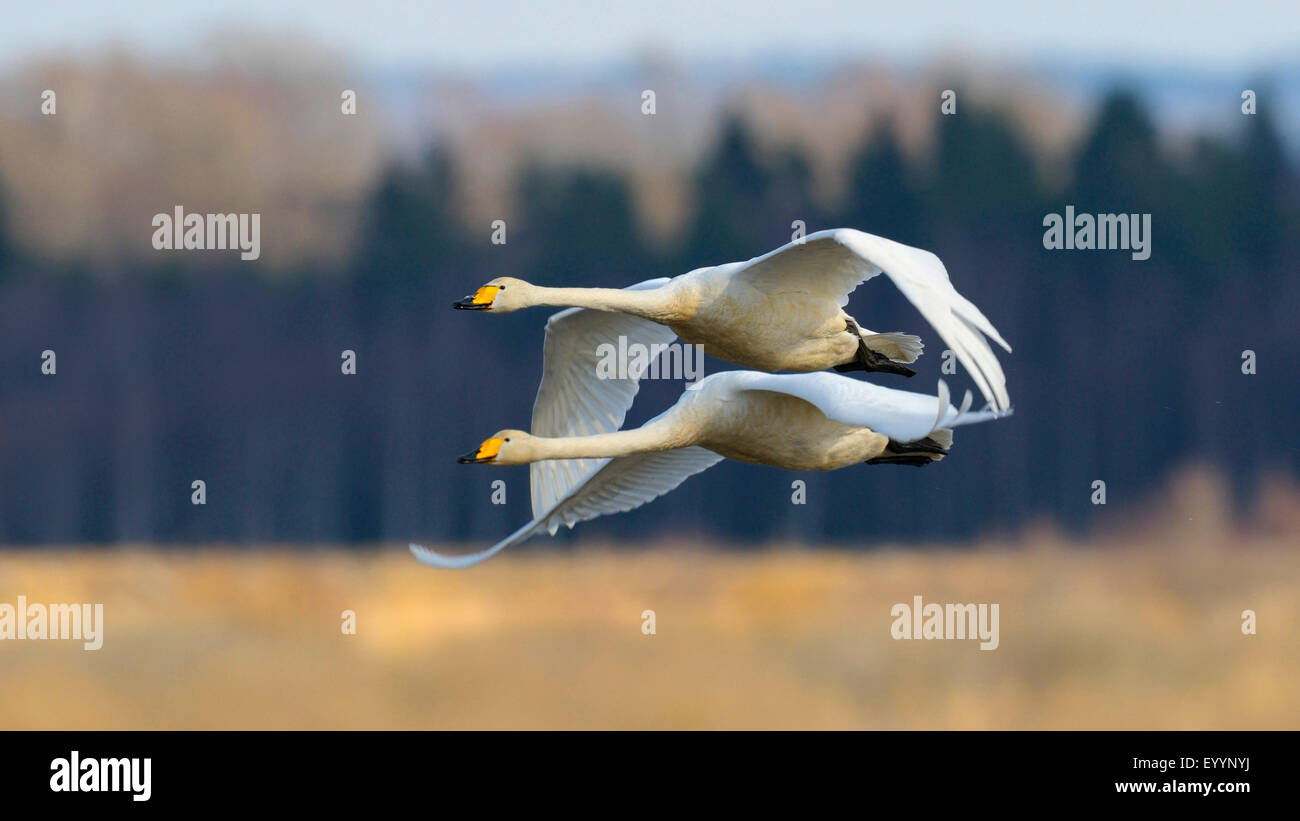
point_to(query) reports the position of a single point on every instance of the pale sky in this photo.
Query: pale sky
(479, 34)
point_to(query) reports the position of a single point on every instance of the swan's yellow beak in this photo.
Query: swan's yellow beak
(481, 301)
(485, 454)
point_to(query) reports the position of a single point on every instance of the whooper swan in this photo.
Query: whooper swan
(813, 421)
(784, 311)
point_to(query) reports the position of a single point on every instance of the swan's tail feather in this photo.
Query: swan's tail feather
(896, 345)
(943, 437)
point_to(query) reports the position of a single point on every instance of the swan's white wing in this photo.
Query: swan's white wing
(573, 399)
(820, 264)
(628, 482)
(618, 485)
(833, 263)
(903, 416)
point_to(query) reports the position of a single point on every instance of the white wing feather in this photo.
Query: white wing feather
(834, 263)
(903, 416)
(617, 486)
(572, 400)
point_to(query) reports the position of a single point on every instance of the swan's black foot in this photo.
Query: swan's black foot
(926, 445)
(917, 460)
(919, 453)
(869, 360)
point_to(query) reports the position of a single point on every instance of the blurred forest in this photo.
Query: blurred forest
(198, 366)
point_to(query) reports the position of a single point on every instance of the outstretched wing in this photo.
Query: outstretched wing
(575, 398)
(903, 416)
(834, 263)
(617, 486)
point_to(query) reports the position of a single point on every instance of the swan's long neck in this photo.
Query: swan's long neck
(651, 437)
(650, 303)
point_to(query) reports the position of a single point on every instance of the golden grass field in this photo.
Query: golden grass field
(1128, 632)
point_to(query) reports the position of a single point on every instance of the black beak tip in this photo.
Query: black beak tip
(468, 304)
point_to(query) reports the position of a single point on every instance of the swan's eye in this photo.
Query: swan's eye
(507, 438)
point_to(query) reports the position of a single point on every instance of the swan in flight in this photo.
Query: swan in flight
(809, 421)
(784, 311)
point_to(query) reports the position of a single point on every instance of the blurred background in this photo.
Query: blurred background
(175, 366)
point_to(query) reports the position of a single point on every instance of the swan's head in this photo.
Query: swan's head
(499, 296)
(505, 447)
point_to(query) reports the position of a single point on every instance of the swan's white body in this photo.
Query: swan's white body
(813, 421)
(784, 311)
